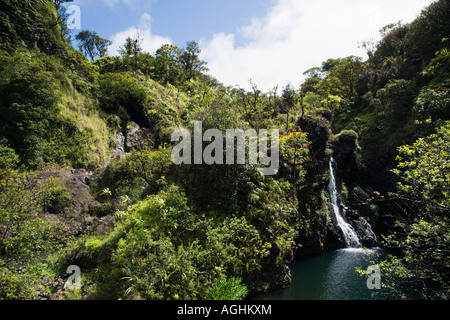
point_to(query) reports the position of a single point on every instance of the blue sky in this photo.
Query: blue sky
(271, 42)
(180, 20)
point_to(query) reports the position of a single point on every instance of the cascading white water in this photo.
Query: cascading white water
(120, 148)
(350, 237)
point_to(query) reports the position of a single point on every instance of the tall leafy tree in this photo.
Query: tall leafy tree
(86, 39)
(167, 68)
(424, 172)
(132, 47)
(190, 61)
(102, 46)
(131, 51)
(342, 75)
(92, 44)
(289, 98)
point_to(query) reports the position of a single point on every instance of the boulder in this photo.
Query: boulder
(310, 245)
(138, 137)
(345, 143)
(281, 278)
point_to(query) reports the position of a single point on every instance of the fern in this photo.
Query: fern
(227, 289)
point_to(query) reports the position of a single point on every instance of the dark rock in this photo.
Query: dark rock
(334, 239)
(47, 280)
(74, 213)
(311, 245)
(137, 137)
(281, 279)
(351, 214)
(345, 143)
(318, 129)
(275, 251)
(364, 231)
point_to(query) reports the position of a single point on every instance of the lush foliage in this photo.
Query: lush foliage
(91, 44)
(391, 111)
(141, 227)
(424, 171)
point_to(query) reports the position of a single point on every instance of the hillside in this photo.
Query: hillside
(87, 176)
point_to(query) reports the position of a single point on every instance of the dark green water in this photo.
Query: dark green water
(329, 276)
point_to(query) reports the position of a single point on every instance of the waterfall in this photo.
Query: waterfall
(119, 148)
(120, 145)
(350, 237)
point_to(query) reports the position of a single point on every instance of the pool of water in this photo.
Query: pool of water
(329, 276)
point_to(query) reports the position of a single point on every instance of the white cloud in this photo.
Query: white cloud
(112, 3)
(135, 4)
(149, 42)
(296, 35)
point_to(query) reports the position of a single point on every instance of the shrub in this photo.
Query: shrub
(227, 289)
(164, 109)
(8, 159)
(56, 199)
(424, 185)
(14, 287)
(137, 174)
(32, 24)
(163, 249)
(216, 186)
(22, 232)
(433, 104)
(124, 96)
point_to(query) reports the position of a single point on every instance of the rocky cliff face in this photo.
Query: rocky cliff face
(137, 137)
(77, 208)
(321, 240)
(362, 228)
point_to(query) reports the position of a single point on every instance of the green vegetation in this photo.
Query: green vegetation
(424, 170)
(141, 227)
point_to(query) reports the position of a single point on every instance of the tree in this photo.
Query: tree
(427, 31)
(92, 44)
(424, 172)
(250, 102)
(86, 39)
(190, 61)
(289, 99)
(131, 51)
(62, 17)
(102, 46)
(166, 64)
(342, 76)
(336, 83)
(132, 47)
